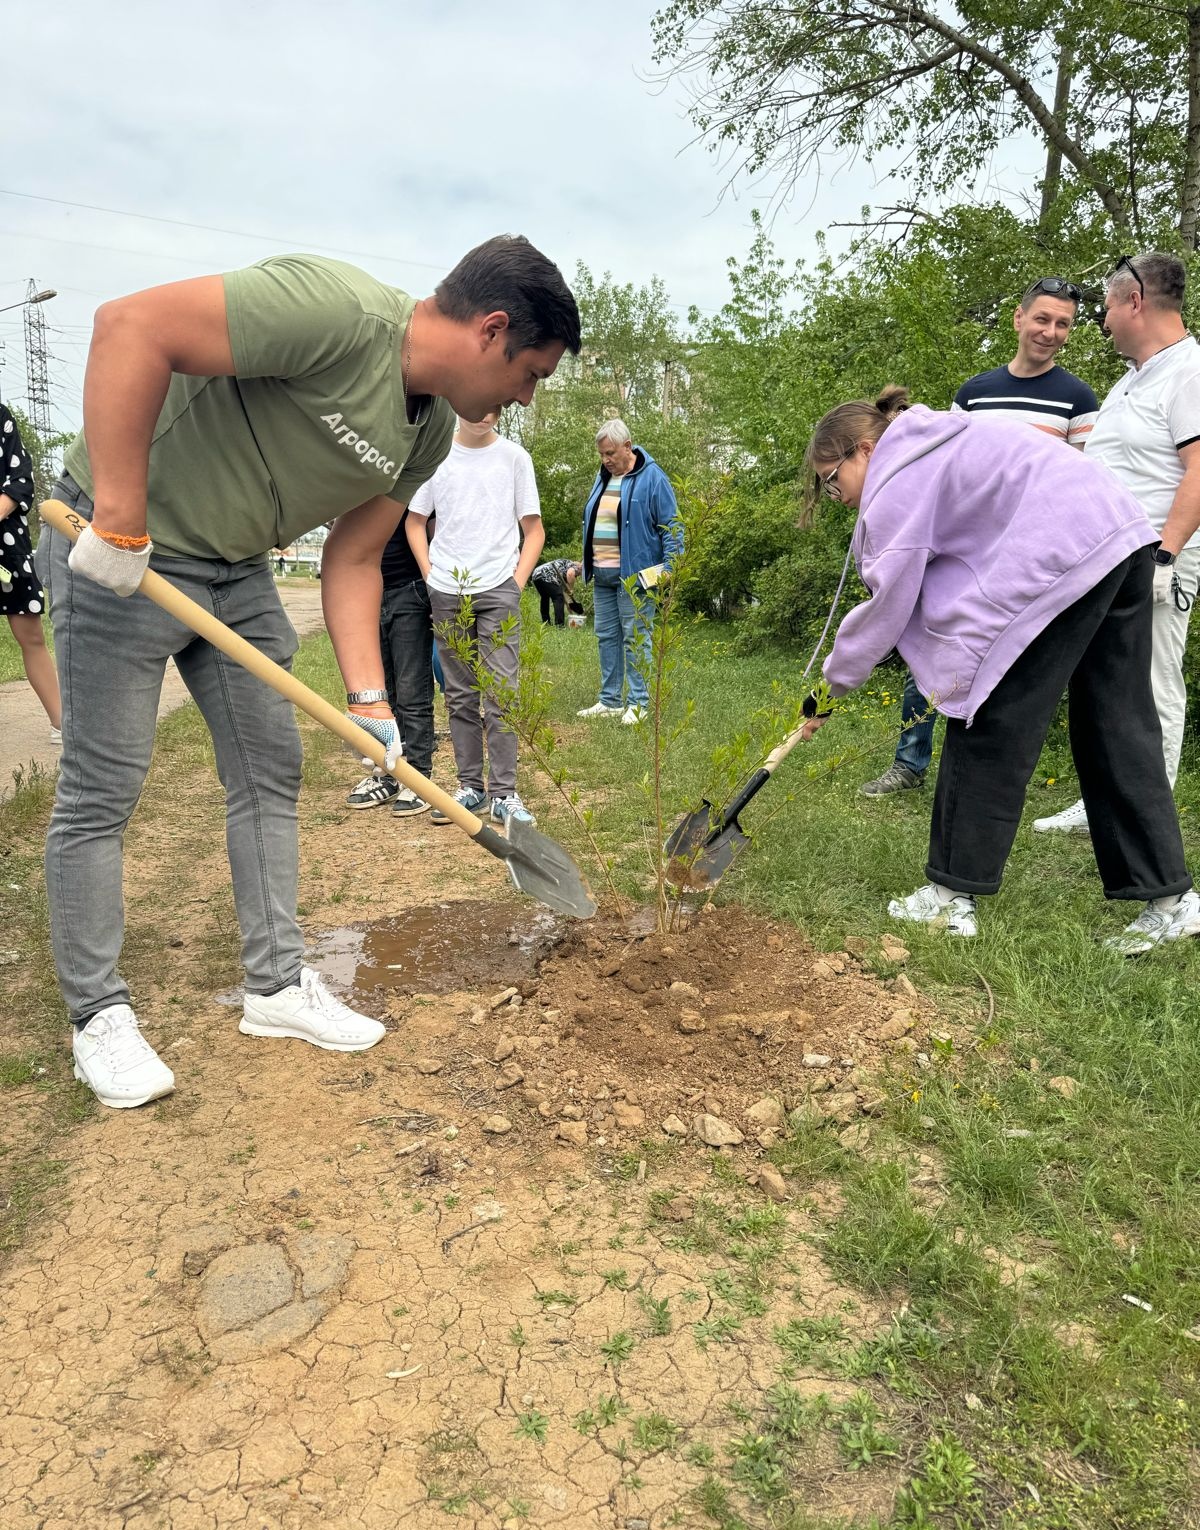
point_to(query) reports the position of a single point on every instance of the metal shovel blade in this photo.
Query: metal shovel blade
(703, 863)
(541, 868)
(686, 838)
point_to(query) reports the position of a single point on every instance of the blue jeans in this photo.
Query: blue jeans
(112, 654)
(620, 635)
(915, 748)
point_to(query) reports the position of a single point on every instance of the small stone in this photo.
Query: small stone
(840, 1108)
(800, 1018)
(821, 969)
(904, 1044)
(927, 1123)
(629, 1117)
(545, 1109)
(691, 1022)
(714, 1132)
(1034, 1065)
(805, 1112)
(509, 1075)
(893, 950)
(874, 1103)
(674, 1127)
(572, 1112)
(856, 945)
(679, 1208)
(685, 990)
(496, 1126)
(855, 1137)
(772, 1183)
(505, 1047)
(610, 969)
(574, 1132)
(766, 1112)
(902, 984)
(429, 1065)
(505, 996)
(712, 1105)
(1064, 1084)
(816, 1060)
(892, 1030)
(635, 982)
(1016, 1133)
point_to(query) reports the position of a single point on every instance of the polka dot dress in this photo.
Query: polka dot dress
(20, 592)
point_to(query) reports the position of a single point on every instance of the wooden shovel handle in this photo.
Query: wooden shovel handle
(70, 524)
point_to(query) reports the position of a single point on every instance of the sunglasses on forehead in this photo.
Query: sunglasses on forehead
(1055, 286)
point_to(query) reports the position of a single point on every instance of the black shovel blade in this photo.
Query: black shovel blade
(707, 863)
(689, 834)
(540, 868)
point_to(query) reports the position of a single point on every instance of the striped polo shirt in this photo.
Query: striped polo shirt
(1056, 401)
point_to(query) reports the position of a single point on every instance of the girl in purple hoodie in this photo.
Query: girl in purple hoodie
(1006, 568)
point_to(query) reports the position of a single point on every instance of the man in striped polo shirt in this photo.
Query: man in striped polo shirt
(1032, 387)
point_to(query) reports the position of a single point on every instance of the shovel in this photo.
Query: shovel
(702, 847)
(537, 865)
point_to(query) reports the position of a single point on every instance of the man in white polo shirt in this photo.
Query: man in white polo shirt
(1148, 434)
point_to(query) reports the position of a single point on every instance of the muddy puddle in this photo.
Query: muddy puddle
(436, 948)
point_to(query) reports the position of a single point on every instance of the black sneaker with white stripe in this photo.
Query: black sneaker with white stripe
(373, 791)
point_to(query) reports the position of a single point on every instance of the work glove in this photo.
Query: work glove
(116, 568)
(810, 704)
(386, 731)
(1164, 574)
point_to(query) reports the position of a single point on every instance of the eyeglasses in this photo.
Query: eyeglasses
(829, 482)
(1133, 271)
(1055, 286)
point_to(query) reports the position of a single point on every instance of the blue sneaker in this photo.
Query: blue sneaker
(468, 797)
(507, 809)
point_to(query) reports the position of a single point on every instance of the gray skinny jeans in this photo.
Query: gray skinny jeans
(112, 654)
(467, 727)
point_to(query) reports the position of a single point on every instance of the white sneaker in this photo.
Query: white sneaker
(309, 1012)
(1162, 919)
(632, 715)
(939, 906)
(1072, 820)
(116, 1062)
(56, 735)
(599, 709)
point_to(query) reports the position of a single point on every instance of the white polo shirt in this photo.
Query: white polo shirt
(1144, 422)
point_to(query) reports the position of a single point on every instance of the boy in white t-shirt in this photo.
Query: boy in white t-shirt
(489, 537)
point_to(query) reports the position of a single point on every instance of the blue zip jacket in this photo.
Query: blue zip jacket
(650, 528)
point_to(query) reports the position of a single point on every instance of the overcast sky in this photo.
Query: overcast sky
(397, 133)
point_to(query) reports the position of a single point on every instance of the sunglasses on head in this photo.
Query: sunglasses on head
(1133, 271)
(1055, 286)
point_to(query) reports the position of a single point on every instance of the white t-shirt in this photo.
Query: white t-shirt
(479, 495)
(1145, 420)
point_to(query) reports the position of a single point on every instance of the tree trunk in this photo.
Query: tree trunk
(1189, 212)
(1062, 96)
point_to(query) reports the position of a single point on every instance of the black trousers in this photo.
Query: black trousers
(547, 595)
(406, 641)
(1098, 650)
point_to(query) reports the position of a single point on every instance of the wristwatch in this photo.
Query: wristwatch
(1162, 557)
(364, 698)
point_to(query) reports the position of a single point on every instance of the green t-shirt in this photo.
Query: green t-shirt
(313, 423)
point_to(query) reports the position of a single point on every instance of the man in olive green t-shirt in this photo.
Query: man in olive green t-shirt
(223, 417)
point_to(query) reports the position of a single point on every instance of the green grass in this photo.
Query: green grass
(1100, 1199)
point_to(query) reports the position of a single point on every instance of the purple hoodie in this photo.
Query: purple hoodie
(974, 533)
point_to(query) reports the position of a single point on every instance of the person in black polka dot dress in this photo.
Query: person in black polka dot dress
(21, 597)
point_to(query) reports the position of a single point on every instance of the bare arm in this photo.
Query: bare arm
(352, 589)
(417, 533)
(1184, 518)
(137, 342)
(534, 534)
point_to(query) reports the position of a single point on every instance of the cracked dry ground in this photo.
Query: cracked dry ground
(314, 1289)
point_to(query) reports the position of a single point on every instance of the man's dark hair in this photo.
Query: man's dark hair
(1162, 279)
(507, 274)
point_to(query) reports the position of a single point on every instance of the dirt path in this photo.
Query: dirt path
(25, 733)
(489, 1269)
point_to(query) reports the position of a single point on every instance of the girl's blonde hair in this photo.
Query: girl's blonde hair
(839, 432)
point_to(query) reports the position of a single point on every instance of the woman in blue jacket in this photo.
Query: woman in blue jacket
(630, 526)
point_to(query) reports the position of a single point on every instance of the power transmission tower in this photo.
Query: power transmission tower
(36, 364)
